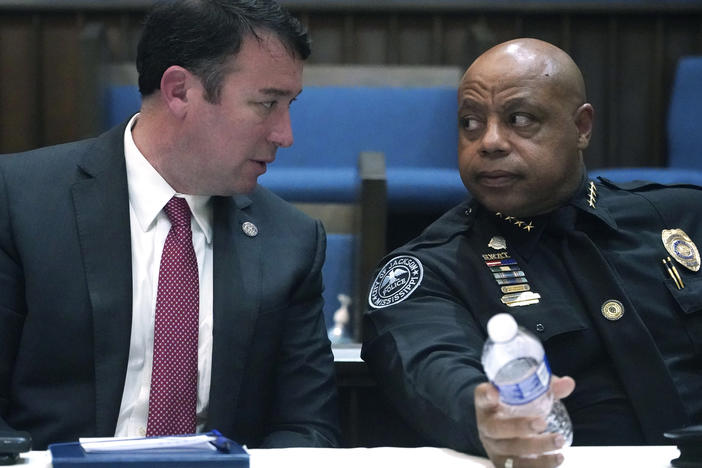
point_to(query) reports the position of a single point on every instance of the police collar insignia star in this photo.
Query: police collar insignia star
(591, 194)
(508, 275)
(681, 248)
(517, 222)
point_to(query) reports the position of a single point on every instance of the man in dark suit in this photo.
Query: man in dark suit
(83, 231)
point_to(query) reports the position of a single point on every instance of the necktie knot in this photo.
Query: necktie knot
(178, 212)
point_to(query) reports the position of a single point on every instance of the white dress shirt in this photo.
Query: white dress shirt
(148, 194)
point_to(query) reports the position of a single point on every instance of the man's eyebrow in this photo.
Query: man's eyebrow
(275, 92)
(468, 103)
(521, 101)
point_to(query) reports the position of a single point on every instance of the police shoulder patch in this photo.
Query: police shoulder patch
(395, 281)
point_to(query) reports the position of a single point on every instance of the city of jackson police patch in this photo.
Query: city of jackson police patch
(395, 281)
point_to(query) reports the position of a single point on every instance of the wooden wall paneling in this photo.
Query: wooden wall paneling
(416, 33)
(683, 36)
(91, 75)
(488, 30)
(459, 41)
(544, 27)
(634, 93)
(566, 33)
(505, 27)
(393, 50)
(118, 33)
(327, 38)
(612, 47)
(657, 153)
(611, 102)
(348, 46)
(437, 40)
(372, 40)
(519, 26)
(589, 47)
(61, 91)
(20, 123)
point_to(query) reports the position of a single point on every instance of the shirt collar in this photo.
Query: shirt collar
(526, 240)
(149, 192)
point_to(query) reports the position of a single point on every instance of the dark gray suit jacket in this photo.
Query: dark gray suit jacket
(65, 305)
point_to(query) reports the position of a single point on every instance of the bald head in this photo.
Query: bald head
(537, 60)
(523, 124)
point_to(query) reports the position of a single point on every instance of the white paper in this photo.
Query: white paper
(117, 444)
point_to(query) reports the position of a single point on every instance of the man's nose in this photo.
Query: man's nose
(281, 133)
(494, 138)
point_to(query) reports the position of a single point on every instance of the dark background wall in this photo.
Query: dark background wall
(627, 50)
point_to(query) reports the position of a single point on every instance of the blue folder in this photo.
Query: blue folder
(69, 455)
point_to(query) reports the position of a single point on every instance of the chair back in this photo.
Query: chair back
(413, 127)
(685, 116)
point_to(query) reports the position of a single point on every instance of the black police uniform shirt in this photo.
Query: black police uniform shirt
(588, 280)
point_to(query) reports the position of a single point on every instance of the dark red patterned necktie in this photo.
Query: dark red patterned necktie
(173, 396)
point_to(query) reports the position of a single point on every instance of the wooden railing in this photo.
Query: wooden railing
(627, 50)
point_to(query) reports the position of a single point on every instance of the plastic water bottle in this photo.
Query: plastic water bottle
(515, 362)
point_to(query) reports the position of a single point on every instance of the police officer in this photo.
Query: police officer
(606, 275)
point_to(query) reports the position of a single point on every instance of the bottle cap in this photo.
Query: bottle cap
(502, 327)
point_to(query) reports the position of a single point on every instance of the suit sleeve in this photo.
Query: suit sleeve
(424, 352)
(12, 306)
(306, 408)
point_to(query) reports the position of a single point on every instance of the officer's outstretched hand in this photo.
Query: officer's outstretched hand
(517, 442)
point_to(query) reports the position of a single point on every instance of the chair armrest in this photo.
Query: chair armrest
(373, 225)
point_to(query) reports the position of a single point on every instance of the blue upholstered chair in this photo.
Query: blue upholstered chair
(406, 135)
(684, 133)
(413, 127)
(121, 101)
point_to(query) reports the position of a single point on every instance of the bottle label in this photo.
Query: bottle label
(528, 389)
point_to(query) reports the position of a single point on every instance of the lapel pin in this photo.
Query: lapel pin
(249, 229)
(612, 310)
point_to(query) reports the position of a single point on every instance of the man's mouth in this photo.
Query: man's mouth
(496, 178)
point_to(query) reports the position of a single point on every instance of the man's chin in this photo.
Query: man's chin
(504, 206)
(245, 189)
(238, 189)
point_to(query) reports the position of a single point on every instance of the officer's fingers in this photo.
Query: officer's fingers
(486, 398)
(497, 426)
(544, 461)
(562, 386)
(524, 446)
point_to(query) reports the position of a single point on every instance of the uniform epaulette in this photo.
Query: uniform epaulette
(642, 185)
(458, 219)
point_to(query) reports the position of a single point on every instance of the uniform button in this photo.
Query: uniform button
(539, 327)
(612, 309)
(468, 211)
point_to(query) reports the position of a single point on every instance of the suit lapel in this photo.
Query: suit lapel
(237, 294)
(101, 203)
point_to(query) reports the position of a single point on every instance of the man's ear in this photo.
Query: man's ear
(584, 118)
(174, 89)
